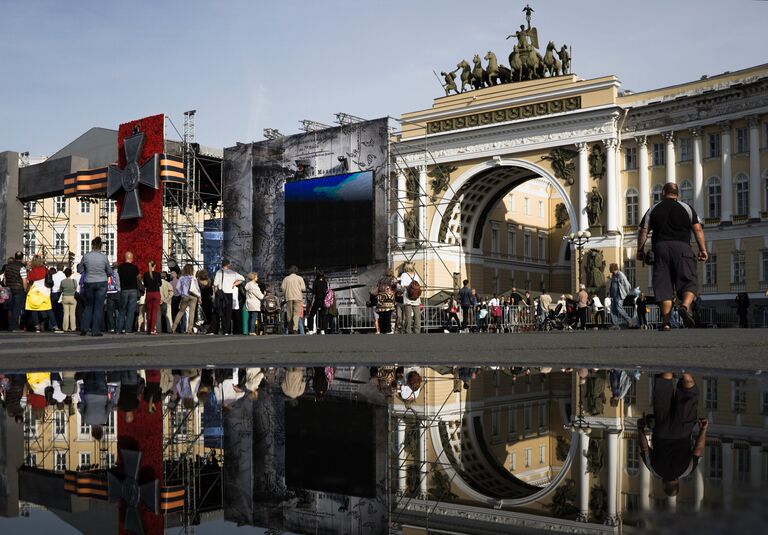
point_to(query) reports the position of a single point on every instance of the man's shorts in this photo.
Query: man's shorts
(674, 270)
(674, 408)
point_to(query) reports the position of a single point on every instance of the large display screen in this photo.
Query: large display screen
(329, 221)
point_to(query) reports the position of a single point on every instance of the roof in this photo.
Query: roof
(99, 145)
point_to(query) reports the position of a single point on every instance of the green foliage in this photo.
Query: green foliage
(564, 500)
(598, 503)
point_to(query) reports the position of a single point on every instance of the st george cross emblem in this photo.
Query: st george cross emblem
(132, 176)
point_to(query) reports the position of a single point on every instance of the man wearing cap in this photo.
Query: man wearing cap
(671, 223)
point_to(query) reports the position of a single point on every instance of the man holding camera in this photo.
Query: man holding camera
(671, 223)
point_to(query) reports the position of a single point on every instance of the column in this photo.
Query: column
(583, 477)
(423, 453)
(755, 466)
(423, 200)
(727, 449)
(755, 191)
(611, 186)
(582, 189)
(645, 485)
(402, 468)
(726, 182)
(669, 156)
(402, 196)
(698, 487)
(644, 177)
(698, 173)
(612, 443)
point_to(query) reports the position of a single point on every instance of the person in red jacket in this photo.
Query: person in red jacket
(39, 296)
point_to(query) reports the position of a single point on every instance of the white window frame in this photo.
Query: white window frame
(60, 205)
(738, 267)
(511, 241)
(632, 207)
(495, 239)
(714, 148)
(630, 158)
(84, 458)
(714, 191)
(686, 192)
(741, 194)
(658, 154)
(656, 193)
(686, 154)
(541, 245)
(742, 141)
(526, 206)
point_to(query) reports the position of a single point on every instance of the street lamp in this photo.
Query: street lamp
(579, 240)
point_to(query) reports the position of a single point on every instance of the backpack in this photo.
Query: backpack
(414, 290)
(48, 280)
(329, 297)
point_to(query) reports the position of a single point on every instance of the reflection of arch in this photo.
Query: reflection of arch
(480, 188)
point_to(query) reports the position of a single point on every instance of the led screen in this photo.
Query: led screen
(329, 221)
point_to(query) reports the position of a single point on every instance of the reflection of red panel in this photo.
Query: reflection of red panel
(144, 237)
(144, 434)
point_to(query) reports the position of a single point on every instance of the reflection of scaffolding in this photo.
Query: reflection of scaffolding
(188, 206)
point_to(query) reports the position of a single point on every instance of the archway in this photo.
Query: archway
(477, 191)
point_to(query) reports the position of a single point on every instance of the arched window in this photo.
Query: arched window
(741, 187)
(713, 197)
(656, 194)
(632, 199)
(686, 192)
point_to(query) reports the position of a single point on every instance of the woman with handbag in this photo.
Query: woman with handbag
(253, 299)
(385, 298)
(39, 296)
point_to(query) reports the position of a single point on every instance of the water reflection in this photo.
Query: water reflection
(373, 449)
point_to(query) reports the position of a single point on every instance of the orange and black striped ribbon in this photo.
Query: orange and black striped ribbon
(86, 183)
(88, 484)
(172, 170)
(172, 498)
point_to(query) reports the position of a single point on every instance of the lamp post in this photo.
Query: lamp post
(579, 240)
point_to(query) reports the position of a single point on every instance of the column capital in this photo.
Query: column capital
(725, 127)
(642, 140)
(753, 121)
(581, 146)
(669, 137)
(610, 143)
(695, 131)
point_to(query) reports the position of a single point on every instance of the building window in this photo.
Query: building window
(84, 243)
(764, 266)
(109, 245)
(513, 461)
(527, 206)
(85, 429)
(630, 270)
(59, 424)
(738, 268)
(527, 416)
(541, 209)
(30, 243)
(738, 396)
(107, 459)
(542, 454)
(715, 461)
(109, 429)
(527, 244)
(686, 192)
(85, 207)
(685, 149)
(30, 423)
(742, 194)
(528, 456)
(494, 239)
(714, 197)
(59, 243)
(714, 145)
(60, 205)
(512, 421)
(495, 422)
(742, 464)
(111, 206)
(742, 140)
(542, 248)
(31, 207)
(710, 270)
(656, 194)
(633, 457)
(630, 158)
(61, 461)
(658, 154)
(511, 242)
(85, 460)
(542, 415)
(630, 399)
(31, 460)
(710, 393)
(633, 206)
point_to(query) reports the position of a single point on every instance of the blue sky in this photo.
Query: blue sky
(250, 64)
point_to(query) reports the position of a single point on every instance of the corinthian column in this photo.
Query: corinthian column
(582, 189)
(644, 177)
(401, 198)
(698, 173)
(611, 186)
(402, 469)
(755, 193)
(612, 442)
(423, 200)
(726, 182)
(583, 477)
(669, 157)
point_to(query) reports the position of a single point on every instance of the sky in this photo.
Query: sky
(246, 65)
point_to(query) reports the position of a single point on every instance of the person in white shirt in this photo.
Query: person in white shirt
(58, 309)
(598, 310)
(227, 281)
(411, 300)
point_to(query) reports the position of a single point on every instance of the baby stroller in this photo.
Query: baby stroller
(272, 314)
(563, 317)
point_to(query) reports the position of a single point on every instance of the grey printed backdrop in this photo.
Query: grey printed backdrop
(254, 197)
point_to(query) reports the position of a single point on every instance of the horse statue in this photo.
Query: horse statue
(534, 66)
(466, 74)
(551, 63)
(495, 73)
(516, 63)
(478, 74)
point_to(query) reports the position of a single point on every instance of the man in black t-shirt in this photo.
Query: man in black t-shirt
(129, 294)
(675, 408)
(671, 223)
